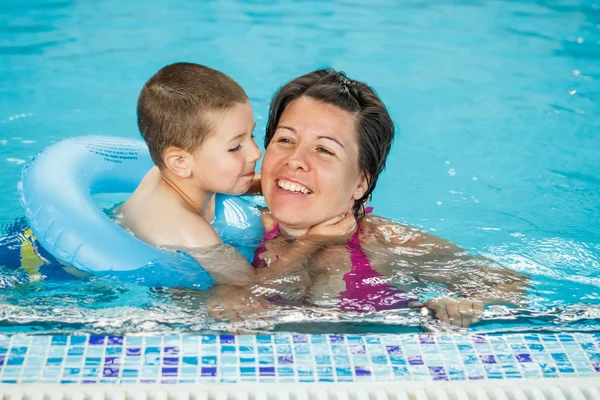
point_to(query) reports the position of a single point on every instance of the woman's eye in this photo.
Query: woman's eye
(324, 151)
(236, 148)
(284, 140)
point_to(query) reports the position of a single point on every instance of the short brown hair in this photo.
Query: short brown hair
(172, 105)
(375, 128)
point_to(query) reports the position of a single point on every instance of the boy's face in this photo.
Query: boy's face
(226, 160)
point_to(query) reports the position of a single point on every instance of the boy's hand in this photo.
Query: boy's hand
(336, 230)
(457, 312)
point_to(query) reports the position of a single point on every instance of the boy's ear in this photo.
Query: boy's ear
(361, 188)
(178, 161)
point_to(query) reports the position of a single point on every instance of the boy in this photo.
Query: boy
(198, 123)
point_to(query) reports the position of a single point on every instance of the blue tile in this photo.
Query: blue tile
(96, 340)
(362, 371)
(133, 351)
(169, 371)
(190, 360)
(487, 359)
(247, 371)
(228, 349)
(415, 360)
(262, 339)
(208, 371)
(110, 372)
(18, 351)
(285, 359)
(524, 358)
(300, 339)
(54, 361)
(171, 350)
(336, 338)
(322, 360)
(227, 339)
(115, 340)
(59, 340)
(266, 371)
(209, 360)
(15, 361)
(76, 351)
(171, 360)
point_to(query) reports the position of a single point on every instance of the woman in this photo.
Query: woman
(327, 141)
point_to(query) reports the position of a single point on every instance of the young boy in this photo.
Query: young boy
(198, 123)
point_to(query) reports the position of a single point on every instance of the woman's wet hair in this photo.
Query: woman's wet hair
(374, 126)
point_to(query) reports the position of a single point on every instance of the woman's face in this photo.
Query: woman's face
(310, 172)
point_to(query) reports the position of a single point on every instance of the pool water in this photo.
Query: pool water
(497, 105)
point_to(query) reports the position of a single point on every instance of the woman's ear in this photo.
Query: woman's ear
(361, 188)
(178, 161)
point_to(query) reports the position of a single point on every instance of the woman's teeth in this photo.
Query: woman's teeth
(293, 187)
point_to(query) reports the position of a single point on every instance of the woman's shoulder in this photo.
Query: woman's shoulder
(389, 231)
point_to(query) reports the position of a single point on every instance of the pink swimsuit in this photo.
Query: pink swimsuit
(366, 289)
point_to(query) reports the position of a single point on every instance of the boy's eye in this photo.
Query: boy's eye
(236, 148)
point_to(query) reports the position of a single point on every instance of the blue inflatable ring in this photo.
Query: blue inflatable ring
(56, 191)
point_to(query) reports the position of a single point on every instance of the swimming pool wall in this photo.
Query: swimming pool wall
(295, 358)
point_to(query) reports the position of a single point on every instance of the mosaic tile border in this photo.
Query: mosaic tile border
(295, 358)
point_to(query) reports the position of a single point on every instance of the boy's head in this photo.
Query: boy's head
(185, 106)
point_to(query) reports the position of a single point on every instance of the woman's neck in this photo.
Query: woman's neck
(197, 199)
(293, 231)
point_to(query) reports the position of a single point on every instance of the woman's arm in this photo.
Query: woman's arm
(435, 260)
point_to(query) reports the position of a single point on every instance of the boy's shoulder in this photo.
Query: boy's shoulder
(161, 219)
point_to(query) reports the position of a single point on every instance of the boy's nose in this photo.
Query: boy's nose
(255, 153)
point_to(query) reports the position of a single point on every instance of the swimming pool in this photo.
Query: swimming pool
(497, 105)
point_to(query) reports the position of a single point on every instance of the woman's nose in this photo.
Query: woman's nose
(297, 160)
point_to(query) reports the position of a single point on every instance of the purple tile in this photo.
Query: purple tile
(476, 377)
(426, 339)
(171, 351)
(168, 381)
(524, 358)
(362, 371)
(266, 371)
(357, 349)
(1, 360)
(134, 351)
(478, 339)
(227, 339)
(147, 380)
(415, 360)
(115, 340)
(96, 340)
(300, 339)
(437, 371)
(208, 371)
(88, 381)
(110, 372)
(112, 361)
(171, 360)
(487, 359)
(285, 359)
(394, 349)
(169, 371)
(596, 366)
(336, 338)
(440, 377)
